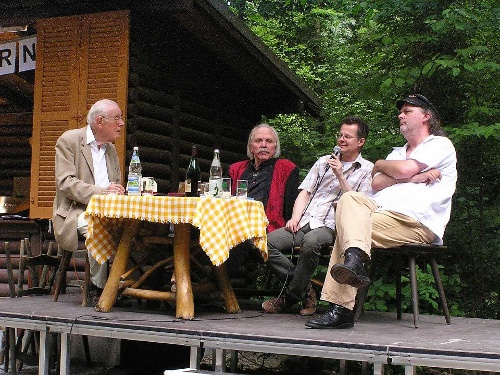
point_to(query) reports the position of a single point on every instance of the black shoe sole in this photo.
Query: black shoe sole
(324, 326)
(344, 275)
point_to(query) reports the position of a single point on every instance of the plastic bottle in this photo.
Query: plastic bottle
(193, 174)
(215, 180)
(134, 174)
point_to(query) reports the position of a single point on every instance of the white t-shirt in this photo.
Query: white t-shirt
(429, 204)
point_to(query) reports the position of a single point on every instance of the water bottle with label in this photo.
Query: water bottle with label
(215, 180)
(134, 174)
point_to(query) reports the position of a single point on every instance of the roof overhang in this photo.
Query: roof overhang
(214, 27)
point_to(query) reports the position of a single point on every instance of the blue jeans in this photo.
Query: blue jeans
(311, 242)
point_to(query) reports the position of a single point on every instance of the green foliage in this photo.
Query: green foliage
(301, 137)
(382, 293)
(360, 57)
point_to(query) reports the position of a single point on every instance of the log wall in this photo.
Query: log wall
(15, 150)
(164, 125)
(166, 115)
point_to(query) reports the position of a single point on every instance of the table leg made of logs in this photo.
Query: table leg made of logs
(184, 293)
(110, 292)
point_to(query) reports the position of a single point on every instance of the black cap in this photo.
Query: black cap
(417, 100)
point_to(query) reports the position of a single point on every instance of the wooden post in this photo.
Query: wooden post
(184, 292)
(226, 289)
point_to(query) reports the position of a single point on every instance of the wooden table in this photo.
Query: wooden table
(223, 223)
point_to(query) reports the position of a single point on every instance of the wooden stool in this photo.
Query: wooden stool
(412, 251)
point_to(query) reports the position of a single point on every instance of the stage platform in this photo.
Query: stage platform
(378, 338)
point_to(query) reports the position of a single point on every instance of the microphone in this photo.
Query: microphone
(335, 152)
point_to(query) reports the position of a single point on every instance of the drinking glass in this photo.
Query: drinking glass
(200, 189)
(148, 184)
(205, 190)
(225, 191)
(241, 188)
(181, 188)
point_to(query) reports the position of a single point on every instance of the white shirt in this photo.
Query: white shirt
(429, 204)
(101, 177)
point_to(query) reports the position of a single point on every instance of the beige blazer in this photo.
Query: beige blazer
(75, 185)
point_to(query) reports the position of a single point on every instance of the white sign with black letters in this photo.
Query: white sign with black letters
(18, 56)
(27, 54)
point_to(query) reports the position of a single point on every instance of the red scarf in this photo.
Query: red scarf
(276, 200)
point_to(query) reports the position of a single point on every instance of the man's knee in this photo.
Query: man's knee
(310, 252)
(277, 240)
(322, 236)
(350, 196)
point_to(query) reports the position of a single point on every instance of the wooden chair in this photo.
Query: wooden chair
(41, 273)
(79, 256)
(41, 268)
(411, 251)
(13, 230)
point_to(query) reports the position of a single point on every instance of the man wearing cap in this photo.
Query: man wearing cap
(411, 203)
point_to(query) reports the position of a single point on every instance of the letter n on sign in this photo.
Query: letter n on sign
(27, 54)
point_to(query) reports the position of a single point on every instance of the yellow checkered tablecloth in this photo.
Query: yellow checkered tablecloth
(223, 223)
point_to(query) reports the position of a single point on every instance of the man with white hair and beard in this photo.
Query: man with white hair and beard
(271, 180)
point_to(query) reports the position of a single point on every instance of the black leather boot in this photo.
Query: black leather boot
(352, 272)
(337, 317)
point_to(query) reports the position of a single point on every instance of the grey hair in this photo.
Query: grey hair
(435, 127)
(277, 152)
(99, 108)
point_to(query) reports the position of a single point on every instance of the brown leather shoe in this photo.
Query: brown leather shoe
(309, 303)
(276, 305)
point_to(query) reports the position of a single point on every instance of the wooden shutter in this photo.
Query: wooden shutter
(80, 59)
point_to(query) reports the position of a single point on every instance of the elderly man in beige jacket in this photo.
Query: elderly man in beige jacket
(86, 164)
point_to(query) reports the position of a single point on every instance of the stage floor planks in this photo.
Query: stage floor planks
(377, 338)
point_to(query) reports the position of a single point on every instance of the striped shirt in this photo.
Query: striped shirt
(325, 191)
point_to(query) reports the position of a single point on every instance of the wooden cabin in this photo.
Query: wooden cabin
(183, 71)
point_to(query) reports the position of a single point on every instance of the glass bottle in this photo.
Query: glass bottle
(193, 174)
(215, 180)
(134, 174)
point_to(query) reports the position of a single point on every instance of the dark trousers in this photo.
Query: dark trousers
(311, 242)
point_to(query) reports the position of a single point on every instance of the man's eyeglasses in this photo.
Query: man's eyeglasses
(116, 118)
(347, 137)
